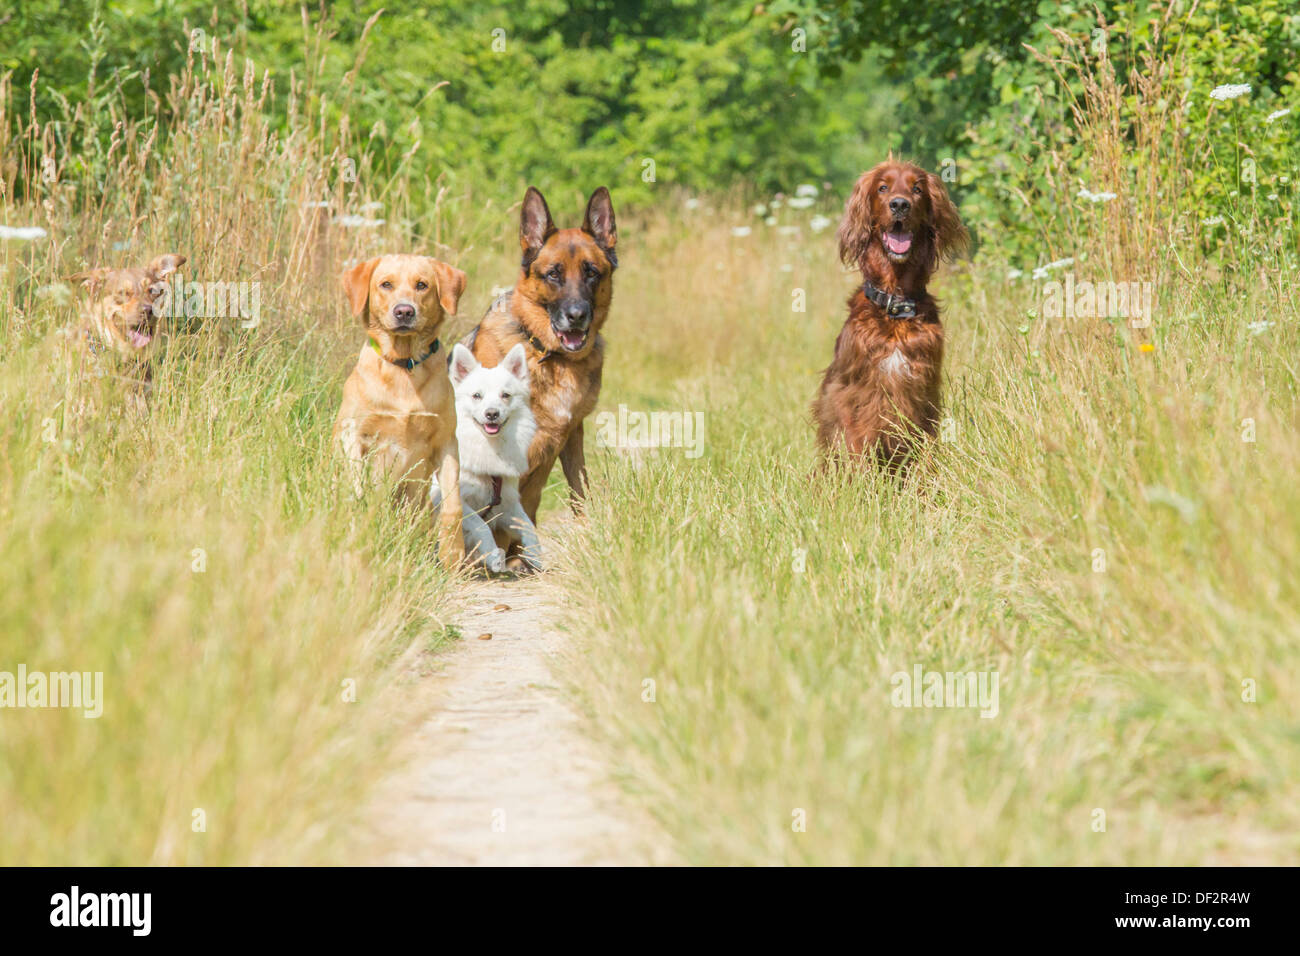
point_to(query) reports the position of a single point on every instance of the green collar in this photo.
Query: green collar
(409, 363)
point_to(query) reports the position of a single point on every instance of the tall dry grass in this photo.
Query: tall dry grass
(1109, 526)
(249, 617)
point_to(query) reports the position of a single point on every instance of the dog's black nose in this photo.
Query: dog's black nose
(899, 206)
(404, 313)
(491, 414)
(577, 312)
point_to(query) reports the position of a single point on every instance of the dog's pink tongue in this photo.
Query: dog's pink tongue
(140, 339)
(573, 340)
(898, 242)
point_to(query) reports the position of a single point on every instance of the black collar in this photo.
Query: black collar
(536, 343)
(895, 306)
(406, 363)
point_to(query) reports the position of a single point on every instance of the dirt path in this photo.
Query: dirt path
(501, 774)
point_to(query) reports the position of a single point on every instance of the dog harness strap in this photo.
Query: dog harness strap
(410, 363)
(496, 491)
(895, 306)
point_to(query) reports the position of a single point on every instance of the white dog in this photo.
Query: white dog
(494, 427)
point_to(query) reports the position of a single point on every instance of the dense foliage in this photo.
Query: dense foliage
(689, 94)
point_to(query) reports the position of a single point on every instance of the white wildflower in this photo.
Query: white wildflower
(1276, 115)
(1042, 271)
(1086, 193)
(358, 222)
(1261, 326)
(818, 223)
(789, 230)
(800, 202)
(806, 189)
(740, 231)
(1212, 221)
(22, 232)
(1014, 274)
(1230, 91)
(692, 203)
(59, 292)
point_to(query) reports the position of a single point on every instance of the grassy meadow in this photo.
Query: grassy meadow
(1121, 689)
(1110, 524)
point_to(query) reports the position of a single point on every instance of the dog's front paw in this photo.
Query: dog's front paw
(496, 561)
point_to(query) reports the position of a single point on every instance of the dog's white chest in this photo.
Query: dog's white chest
(560, 404)
(896, 364)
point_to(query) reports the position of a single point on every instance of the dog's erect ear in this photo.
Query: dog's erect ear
(91, 279)
(165, 265)
(855, 227)
(462, 363)
(516, 362)
(950, 236)
(356, 283)
(599, 222)
(535, 225)
(451, 285)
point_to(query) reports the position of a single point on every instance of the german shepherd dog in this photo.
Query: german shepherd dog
(556, 308)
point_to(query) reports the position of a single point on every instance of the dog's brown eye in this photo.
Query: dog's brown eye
(386, 285)
(917, 190)
(478, 396)
(556, 274)
(505, 396)
(881, 189)
(421, 286)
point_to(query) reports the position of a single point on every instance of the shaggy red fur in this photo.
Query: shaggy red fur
(880, 393)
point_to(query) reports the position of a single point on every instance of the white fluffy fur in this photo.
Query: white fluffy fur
(483, 396)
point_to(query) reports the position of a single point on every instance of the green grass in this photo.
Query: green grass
(207, 561)
(1120, 690)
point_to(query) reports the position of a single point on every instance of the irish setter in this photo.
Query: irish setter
(880, 394)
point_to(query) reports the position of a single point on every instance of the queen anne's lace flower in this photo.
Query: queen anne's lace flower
(1230, 91)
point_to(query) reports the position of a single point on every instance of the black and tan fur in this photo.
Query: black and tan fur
(557, 308)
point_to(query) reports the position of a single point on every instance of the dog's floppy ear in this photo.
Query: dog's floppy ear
(516, 362)
(451, 285)
(950, 235)
(599, 222)
(462, 363)
(356, 283)
(535, 225)
(856, 226)
(91, 279)
(165, 265)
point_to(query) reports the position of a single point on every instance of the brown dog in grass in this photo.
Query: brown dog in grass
(121, 323)
(880, 394)
(557, 308)
(399, 412)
